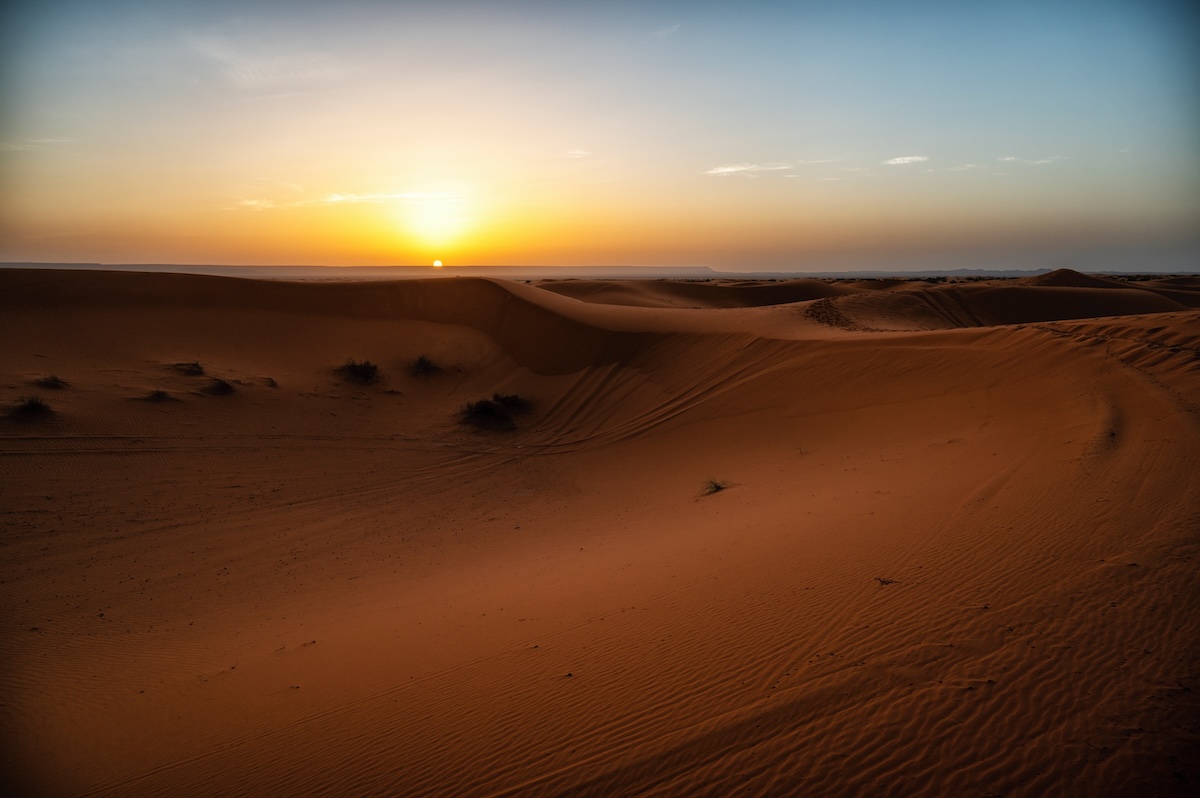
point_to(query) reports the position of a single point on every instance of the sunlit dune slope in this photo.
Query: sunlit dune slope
(864, 541)
(908, 305)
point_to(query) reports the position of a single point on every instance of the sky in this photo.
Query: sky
(737, 135)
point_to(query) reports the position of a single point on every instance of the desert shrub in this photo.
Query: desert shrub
(31, 407)
(52, 383)
(488, 414)
(192, 369)
(364, 372)
(496, 413)
(158, 397)
(218, 387)
(424, 367)
(712, 486)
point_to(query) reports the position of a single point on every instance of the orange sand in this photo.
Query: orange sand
(955, 554)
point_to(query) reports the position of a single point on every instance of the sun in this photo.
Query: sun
(437, 264)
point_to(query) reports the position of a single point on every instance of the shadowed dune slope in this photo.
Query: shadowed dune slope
(676, 294)
(545, 340)
(710, 558)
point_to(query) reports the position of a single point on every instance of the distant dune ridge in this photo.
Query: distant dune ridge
(953, 551)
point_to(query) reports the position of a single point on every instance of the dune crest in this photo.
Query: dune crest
(952, 551)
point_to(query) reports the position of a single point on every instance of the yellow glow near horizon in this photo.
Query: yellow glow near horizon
(434, 221)
(437, 264)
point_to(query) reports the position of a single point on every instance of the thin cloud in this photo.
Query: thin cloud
(1031, 161)
(964, 168)
(753, 169)
(252, 205)
(578, 153)
(905, 159)
(746, 169)
(666, 32)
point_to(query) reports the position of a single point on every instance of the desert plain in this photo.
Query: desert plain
(801, 537)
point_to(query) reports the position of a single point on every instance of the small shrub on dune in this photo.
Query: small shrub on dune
(52, 383)
(159, 397)
(713, 486)
(496, 413)
(489, 415)
(424, 367)
(192, 369)
(364, 372)
(31, 407)
(218, 387)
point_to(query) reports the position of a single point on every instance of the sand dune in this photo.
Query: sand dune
(695, 294)
(953, 551)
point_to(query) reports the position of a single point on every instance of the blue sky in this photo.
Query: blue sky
(743, 135)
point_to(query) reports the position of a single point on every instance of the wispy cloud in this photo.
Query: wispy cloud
(749, 169)
(964, 168)
(252, 205)
(578, 153)
(746, 169)
(1031, 161)
(666, 31)
(905, 159)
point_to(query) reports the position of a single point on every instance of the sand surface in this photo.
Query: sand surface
(955, 552)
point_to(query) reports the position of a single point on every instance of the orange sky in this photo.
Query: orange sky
(737, 136)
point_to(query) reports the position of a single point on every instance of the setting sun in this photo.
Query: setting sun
(437, 264)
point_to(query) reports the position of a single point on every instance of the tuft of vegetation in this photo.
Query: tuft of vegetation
(192, 369)
(218, 387)
(496, 413)
(158, 397)
(489, 415)
(271, 383)
(424, 367)
(31, 407)
(713, 486)
(364, 373)
(52, 383)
